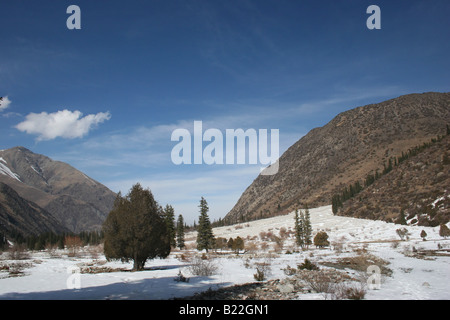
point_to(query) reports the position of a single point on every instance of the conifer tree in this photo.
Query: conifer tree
(3, 242)
(238, 244)
(303, 227)
(307, 229)
(205, 236)
(169, 214)
(180, 232)
(299, 229)
(402, 218)
(230, 243)
(135, 229)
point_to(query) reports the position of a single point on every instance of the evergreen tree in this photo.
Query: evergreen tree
(402, 218)
(135, 229)
(307, 229)
(336, 203)
(205, 236)
(230, 243)
(180, 232)
(303, 227)
(3, 242)
(238, 244)
(169, 215)
(299, 229)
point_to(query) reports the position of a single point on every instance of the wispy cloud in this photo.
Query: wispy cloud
(221, 187)
(64, 124)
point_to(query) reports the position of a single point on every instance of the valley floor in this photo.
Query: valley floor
(417, 269)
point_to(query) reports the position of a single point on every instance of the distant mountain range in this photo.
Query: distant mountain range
(352, 145)
(64, 197)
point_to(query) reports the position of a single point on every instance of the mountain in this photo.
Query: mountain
(20, 216)
(352, 145)
(78, 202)
(416, 191)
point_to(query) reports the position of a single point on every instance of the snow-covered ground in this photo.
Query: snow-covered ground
(48, 276)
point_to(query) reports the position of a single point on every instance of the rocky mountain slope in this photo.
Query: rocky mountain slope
(78, 202)
(416, 191)
(20, 216)
(350, 146)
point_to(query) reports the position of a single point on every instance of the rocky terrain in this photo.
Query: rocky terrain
(345, 150)
(288, 288)
(416, 191)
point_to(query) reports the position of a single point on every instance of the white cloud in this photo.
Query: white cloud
(4, 103)
(64, 124)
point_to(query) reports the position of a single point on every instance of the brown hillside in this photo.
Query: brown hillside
(419, 187)
(78, 202)
(345, 150)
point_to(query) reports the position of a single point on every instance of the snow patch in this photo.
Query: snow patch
(7, 172)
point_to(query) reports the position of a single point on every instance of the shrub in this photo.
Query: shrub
(351, 292)
(263, 269)
(423, 234)
(403, 233)
(320, 282)
(73, 244)
(307, 265)
(18, 252)
(181, 278)
(259, 275)
(444, 231)
(203, 267)
(321, 239)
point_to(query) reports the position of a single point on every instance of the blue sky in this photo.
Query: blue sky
(137, 70)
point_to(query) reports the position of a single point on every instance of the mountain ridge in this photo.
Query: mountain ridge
(353, 144)
(19, 216)
(77, 201)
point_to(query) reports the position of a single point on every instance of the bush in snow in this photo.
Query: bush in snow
(321, 239)
(403, 233)
(203, 267)
(423, 234)
(307, 265)
(444, 231)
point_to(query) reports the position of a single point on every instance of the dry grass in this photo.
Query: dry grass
(360, 263)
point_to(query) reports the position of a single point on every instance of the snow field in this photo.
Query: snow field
(50, 277)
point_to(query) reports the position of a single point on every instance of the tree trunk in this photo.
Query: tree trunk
(138, 265)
